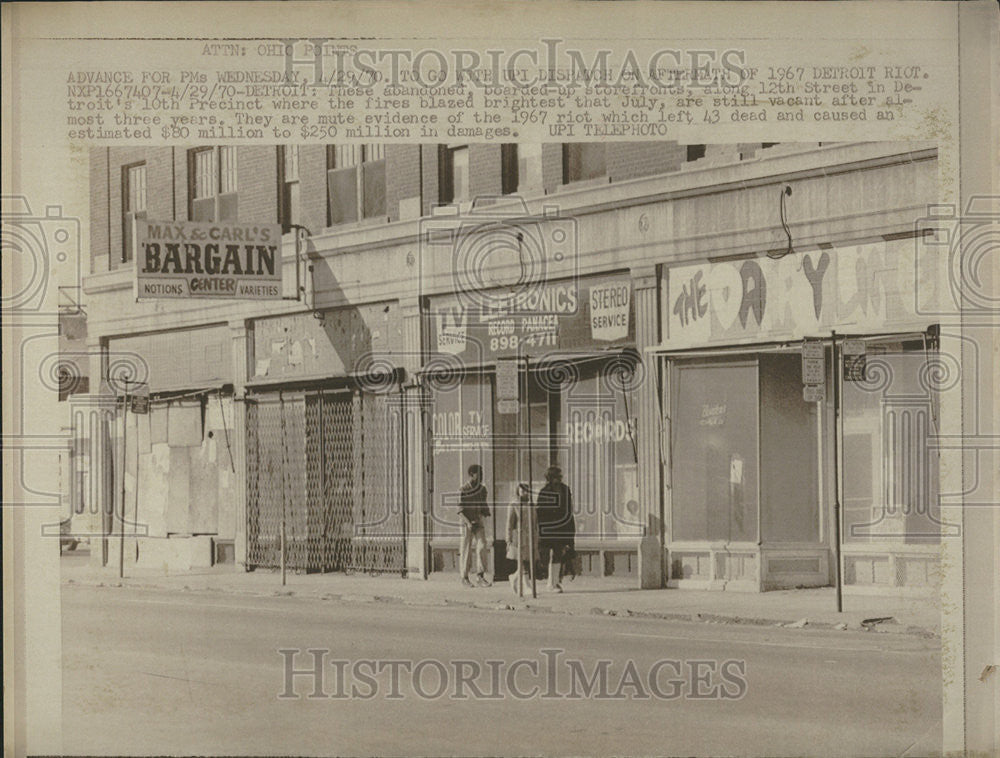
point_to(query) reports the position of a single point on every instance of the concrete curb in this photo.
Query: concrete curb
(531, 607)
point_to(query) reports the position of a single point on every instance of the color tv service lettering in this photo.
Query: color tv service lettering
(238, 261)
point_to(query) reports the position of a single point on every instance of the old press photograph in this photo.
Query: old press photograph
(554, 379)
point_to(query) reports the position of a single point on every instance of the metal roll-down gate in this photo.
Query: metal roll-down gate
(326, 468)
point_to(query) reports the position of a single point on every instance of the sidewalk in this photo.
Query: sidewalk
(611, 596)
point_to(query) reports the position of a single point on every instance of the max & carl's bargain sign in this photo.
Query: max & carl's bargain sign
(189, 259)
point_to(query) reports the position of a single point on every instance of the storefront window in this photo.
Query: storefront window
(890, 470)
(714, 444)
(789, 481)
(598, 453)
(462, 435)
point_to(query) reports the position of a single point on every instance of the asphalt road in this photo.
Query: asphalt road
(148, 671)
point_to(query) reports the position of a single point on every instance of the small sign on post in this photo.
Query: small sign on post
(508, 384)
(855, 360)
(813, 362)
(139, 399)
(813, 371)
(508, 407)
(813, 393)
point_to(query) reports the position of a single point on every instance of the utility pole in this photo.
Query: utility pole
(121, 528)
(531, 514)
(836, 469)
(284, 468)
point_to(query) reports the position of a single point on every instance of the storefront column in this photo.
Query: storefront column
(415, 414)
(241, 336)
(647, 334)
(100, 453)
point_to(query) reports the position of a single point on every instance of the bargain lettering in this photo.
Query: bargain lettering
(211, 258)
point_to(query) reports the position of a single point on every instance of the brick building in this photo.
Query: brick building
(416, 276)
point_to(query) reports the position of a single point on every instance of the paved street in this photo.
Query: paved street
(153, 671)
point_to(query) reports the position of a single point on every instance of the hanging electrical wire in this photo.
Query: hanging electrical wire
(786, 192)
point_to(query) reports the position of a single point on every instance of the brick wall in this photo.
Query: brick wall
(430, 159)
(484, 171)
(181, 184)
(406, 166)
(312, 187)
(631, 160)
(257, 183)
(402, 176)
(99, 201)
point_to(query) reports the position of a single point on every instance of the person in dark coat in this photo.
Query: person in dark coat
(472, 512)
(556, 527)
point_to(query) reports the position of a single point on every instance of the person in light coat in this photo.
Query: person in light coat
(520, 541)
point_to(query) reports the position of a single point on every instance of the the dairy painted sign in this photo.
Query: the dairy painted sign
(854, 289)
(224, 260)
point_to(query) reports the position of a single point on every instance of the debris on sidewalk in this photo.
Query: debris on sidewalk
(869, 624)
(777, 610)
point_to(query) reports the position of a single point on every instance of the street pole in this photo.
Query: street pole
(531, 478)
(836, 469)
(284, 468)
(121, 529)
(520, 513)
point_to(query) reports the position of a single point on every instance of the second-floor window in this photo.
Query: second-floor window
(288, 182)
(695, 152)
(212, 180)
(583, 161)
(355, 182)
(133, 205)
(453, 176)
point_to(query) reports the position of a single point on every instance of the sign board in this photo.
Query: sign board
(813, 362)
(590, 313)
(508, 375)
(855, 289)
(855, 360)
(610, 306)
(508, 407)
(814, 393)
(812, 349)
(139, 402)
(855, 367)
(225, 260)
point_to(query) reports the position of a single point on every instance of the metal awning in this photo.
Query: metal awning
(736, 348)
(441, 362)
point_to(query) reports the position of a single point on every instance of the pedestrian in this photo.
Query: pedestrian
(556, 527)
(520, 541)
(471, 512)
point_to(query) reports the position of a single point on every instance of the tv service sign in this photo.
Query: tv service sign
(218, 260)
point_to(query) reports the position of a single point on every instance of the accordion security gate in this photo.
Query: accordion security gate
(330, 465)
